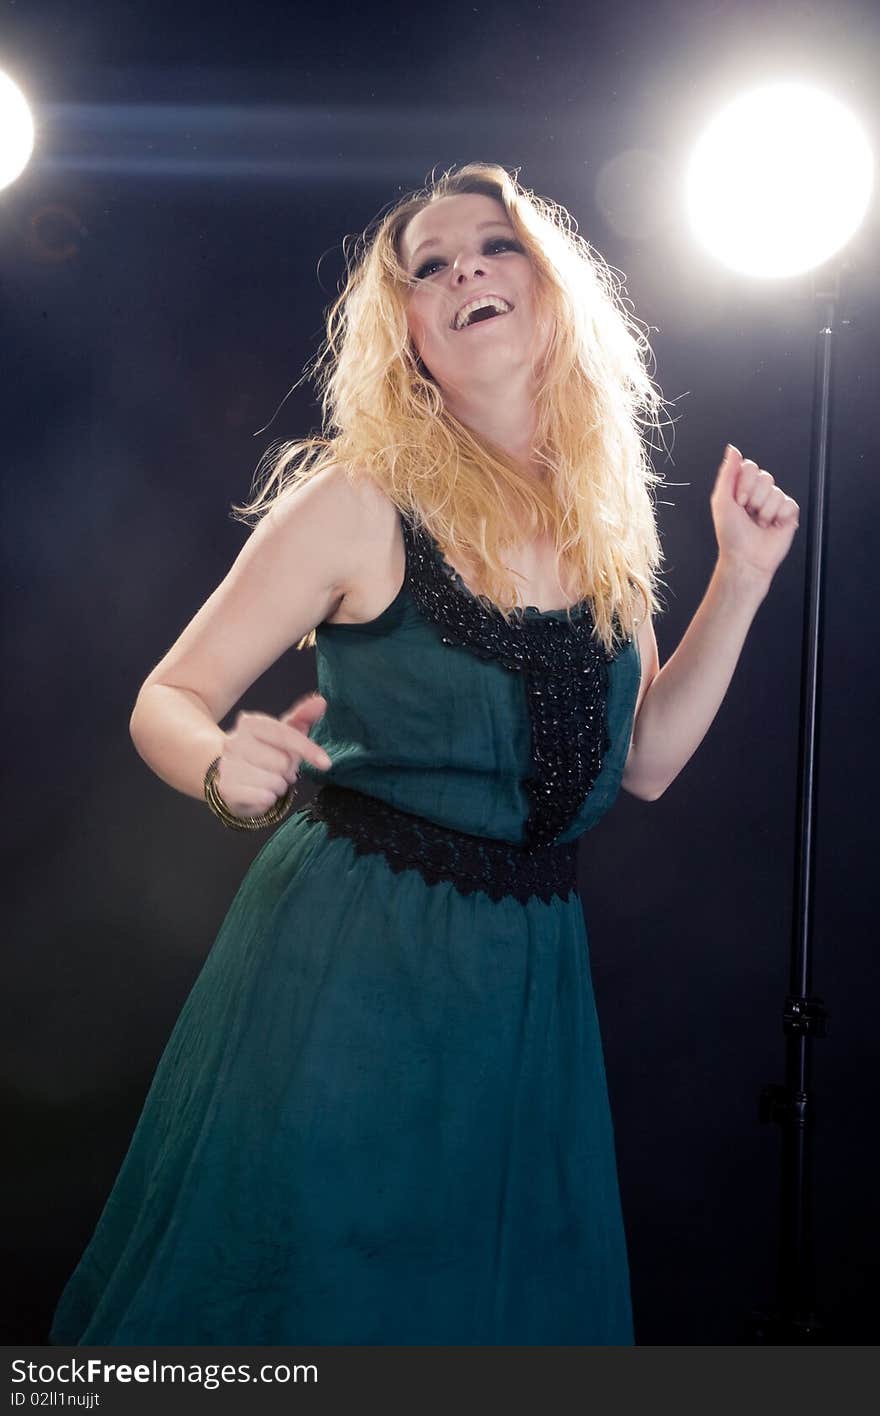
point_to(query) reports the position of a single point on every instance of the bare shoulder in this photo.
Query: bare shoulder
(341, 515)
(371, 567)
(332, 492)
(351, 496)
(292, 573)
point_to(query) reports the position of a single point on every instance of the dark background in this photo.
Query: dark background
(165, 262)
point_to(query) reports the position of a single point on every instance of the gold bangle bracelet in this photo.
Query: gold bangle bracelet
(220, 808)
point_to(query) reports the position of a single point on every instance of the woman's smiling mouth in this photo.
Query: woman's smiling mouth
(471, 313)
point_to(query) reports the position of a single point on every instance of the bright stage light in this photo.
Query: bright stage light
(16, 130)
(779, 181)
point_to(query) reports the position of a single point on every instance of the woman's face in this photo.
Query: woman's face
(459, 250)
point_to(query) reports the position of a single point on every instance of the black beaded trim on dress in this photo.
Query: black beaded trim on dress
(566, 680)
(471, 863)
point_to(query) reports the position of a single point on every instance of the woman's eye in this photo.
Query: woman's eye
(507, 242)
(496, 243)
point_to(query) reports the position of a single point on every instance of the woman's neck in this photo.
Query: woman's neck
(509, 421)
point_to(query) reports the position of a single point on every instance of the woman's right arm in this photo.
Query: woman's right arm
(289, 576)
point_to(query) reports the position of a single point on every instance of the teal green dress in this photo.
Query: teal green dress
(382, 1115)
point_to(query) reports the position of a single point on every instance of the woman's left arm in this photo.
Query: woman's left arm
(755, 524)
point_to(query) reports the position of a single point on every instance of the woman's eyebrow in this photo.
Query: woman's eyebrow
(436, 240)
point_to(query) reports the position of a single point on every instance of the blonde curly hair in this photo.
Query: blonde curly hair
(384, 417)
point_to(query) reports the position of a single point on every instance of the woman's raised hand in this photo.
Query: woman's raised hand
(261, 755)
(755, 520)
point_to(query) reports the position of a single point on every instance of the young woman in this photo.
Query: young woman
(382, 1115)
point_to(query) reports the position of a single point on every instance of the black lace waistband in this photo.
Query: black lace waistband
(440, 853)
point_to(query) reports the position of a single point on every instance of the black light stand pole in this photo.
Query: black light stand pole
(794, 1319)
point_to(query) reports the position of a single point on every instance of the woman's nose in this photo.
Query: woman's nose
(468, 266)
